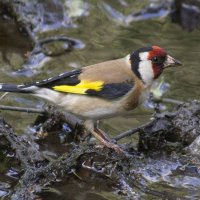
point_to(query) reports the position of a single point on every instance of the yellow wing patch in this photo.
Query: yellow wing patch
(80, 88)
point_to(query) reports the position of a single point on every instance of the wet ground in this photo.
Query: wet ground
(104, 30)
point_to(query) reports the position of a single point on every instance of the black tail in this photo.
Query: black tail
(17, 88)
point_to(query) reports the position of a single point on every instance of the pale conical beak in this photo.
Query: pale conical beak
(171, 62)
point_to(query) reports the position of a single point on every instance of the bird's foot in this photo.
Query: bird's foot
(105, 141)
(110, 145)
(102, 137)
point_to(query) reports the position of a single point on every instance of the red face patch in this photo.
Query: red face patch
(157, 51)
(157, 56)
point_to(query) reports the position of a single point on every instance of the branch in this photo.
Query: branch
(135, 130)
(50, 112)
(131, 131)
(173, 101)
(166, 100)
(20, 109)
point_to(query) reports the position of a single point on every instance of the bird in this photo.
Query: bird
(104, 90)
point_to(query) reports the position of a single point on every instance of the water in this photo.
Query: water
(104, 39)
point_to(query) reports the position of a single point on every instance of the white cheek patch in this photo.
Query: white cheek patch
(143, 55)
(146, 71)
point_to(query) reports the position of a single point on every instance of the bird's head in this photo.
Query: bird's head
(149, 62)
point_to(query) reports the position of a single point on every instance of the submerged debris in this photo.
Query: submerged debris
(172, 130)
(127, 173)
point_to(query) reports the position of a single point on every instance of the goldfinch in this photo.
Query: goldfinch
(102, 90)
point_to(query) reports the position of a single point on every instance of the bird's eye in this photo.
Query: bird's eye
(155, 59)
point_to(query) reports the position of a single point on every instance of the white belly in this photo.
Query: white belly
(90, 107)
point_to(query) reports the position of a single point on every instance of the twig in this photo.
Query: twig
(173, 101)
(135, 130)
(72, 120)
(131, 131)
(20, 109)
(166, 100)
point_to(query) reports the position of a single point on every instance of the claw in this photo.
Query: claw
(108, 143)
(113, 146)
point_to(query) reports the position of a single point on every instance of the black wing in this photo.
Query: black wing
(113, 90)
(106, 91)
(66, 78)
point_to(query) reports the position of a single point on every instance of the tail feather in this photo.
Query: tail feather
(18, 88)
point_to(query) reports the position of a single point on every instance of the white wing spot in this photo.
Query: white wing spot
(49, 79)
(61, 74)
(0, 86)
(37, 82)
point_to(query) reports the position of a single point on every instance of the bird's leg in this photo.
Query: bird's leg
(101, 133)
(101, 136)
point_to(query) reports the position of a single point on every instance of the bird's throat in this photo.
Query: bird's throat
(157, 70)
